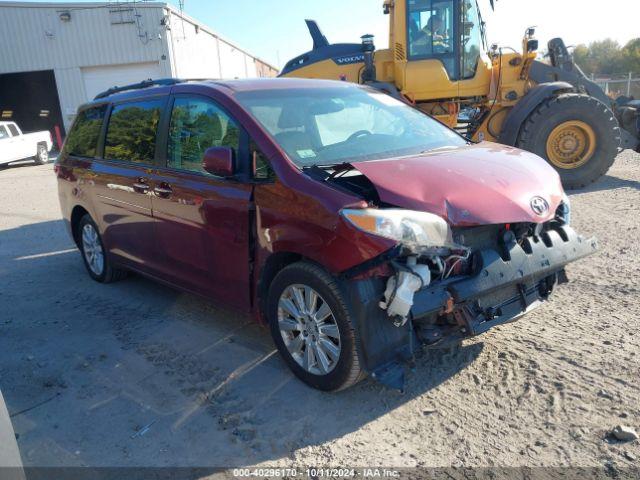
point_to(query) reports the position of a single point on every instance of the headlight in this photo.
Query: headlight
(563, 213)
(411, 228)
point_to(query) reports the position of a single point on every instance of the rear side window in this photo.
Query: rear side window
(13, 130)
(131, 134)
(3, 132)
(83, 138)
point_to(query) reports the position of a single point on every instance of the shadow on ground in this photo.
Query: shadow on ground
(136, 374)
(609, 182)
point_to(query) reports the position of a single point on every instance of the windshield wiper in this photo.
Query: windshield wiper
(320, 171)
(331, 166)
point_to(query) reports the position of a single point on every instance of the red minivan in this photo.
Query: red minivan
(358, 228)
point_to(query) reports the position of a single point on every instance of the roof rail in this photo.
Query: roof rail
(138, 86)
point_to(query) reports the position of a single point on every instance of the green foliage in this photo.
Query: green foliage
(195, 126)
(132, 132)
(608, 57)
(83, 138)
(631, 55)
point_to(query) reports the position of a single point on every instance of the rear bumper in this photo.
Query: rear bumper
(507, 285)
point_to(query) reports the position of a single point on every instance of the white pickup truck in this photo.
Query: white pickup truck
(15, 145)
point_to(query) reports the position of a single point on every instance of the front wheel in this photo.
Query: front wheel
(577, 134)
(312, 329)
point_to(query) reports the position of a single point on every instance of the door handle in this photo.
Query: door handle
(163, 190)
(141, 185)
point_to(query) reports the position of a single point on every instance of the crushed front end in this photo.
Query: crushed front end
(415, 297)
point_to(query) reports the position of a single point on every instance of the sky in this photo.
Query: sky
(274, 30)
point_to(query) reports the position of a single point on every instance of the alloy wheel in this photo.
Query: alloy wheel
(92, 249)
(309, 329)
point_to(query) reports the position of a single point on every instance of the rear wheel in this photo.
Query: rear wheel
(577, 134)
(93, 253)
(311, 327)
(42, 154)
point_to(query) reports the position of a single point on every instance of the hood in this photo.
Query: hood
(477, 184)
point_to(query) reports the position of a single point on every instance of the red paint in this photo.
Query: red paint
(218, 161)
(214, 236)
(58, 137)
(475, 185)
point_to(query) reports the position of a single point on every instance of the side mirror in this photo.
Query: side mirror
(218, 161)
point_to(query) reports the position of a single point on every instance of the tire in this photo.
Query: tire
(108, 273)
(588, 114)
(42, 154)
(346, 370)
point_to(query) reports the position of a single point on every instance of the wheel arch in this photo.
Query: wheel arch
(524, 108)
(273, 264)
(76, 214)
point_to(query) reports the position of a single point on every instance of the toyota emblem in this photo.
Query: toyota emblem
(539, 205)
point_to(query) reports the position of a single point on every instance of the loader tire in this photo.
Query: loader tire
(577, 134)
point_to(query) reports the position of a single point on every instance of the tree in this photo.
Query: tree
(607, 57)
(631, 56)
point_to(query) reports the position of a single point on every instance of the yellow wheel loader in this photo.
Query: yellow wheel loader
(440, 62)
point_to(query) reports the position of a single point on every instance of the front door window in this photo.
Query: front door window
(197, 124)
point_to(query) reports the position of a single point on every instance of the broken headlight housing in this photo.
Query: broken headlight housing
(408, 227)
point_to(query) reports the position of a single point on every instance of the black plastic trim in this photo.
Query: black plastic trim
(495, 273)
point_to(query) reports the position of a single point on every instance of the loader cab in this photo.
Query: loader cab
(444, 41)
(431, 33)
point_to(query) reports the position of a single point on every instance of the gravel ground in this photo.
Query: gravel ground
(136, 374)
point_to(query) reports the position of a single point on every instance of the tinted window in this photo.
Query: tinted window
(131, 134)
(13, 130)
(83, 138)
(3, 132)
(197, 124)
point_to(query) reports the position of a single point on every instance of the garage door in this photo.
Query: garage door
(99, 79)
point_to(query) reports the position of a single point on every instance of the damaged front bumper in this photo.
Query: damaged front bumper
(507, 284)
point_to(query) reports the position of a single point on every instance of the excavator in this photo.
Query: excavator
(439, 61)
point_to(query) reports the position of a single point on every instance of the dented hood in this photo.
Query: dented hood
(478, 184)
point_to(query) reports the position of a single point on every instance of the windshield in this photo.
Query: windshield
(327, 126)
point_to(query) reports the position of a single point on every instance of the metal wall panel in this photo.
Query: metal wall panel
(69, 37)
(70, 92)
(198, 52)
(35, 37)
(195, 52)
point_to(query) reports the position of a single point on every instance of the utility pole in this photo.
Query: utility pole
(629, 85)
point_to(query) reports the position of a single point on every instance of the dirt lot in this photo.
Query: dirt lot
(135, 374)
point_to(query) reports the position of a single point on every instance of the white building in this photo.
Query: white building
(56, 56)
